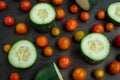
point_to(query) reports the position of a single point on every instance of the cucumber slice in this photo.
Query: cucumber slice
(86, 4)
(95, 47)
(49, 72)
(42, 15)
(22, 54)
(114, 12)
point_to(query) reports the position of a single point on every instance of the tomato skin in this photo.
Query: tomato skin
(98, 28)
(64, 43)
(99, 73)
(42, 0)
(71, 25)
(64, 62)
(109, 26)
(25, 5)
(6, 48)
(41, 41)
(101, 14)
(79, 74)
(9, 21)
(21, 28)
(114, 67)
(55, 31)
(74, 9)
(117, 40)
(3, 5)
(48, 51)
(57, 2)
(84, 16)
(60, 13)
(14, 76)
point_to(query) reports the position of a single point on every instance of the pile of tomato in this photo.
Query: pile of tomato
(64, 42)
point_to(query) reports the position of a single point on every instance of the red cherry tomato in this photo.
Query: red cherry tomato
(84, 16)
(9, 21)
(101, 14)
(57, 2)
(98, 28)
(74, 8)
(60, 13)
(25, 5)
(3, 5)
(117, 40)
(64, 62)
(14, 76)
(42, 0)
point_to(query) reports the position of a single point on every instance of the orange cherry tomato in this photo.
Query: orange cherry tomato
(74, 8)
(109, 26)
(57, 2)
(60, 13)
(71, 25)
(64, 43)
(84, 16)
(98, 28)
(6, 48)
(14, 76)
(79, 74)
(26, 5)
(21, 28)
(64, 62)
(117, 40)
(3, 5)
(41, 41)
(114, 67)
(48, 51)
(101, 14)
(9, 21)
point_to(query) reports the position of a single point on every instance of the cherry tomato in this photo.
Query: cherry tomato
(79, 74)
(57, 2)
(117, 40)
(71, 25)
(55, 31)
(74, 8)
(118, 57)
(6, 48)
(21, 28)
(98, 28)
(79, 35)
(3, 5)
(60, 13)
(114, 67)
(84, 16)
(14, 76)
(9, 21)
(109, 26)
(101, 14)
(41, 41)
(25, 5)
(99, 73)
(48, 51)
(64, 62)
(64, 43)
(42, 0)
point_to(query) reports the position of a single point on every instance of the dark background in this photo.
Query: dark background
(8, 35)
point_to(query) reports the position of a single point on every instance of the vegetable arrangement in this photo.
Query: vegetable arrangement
(50, 18)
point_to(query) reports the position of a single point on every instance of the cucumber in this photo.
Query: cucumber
(49, 72)
(43, 16)
(95, 48)
(86, 4)
(113, 12)
(23, 54)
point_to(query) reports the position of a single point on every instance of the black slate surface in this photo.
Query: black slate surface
(8, 35)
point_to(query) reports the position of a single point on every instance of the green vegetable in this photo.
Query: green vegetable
(113, 11)
(49, 72)
(86, 4)
(22, 54)
(95, 47)
(43, 16)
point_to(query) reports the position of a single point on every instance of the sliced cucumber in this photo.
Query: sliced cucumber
(22, 54)
(42, 14)
(114, 12)
(49, 72)
(86, 4)
(95, 47)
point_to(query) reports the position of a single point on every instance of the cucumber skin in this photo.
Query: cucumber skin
(92, 3)
(89, 60)
(47, 73)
